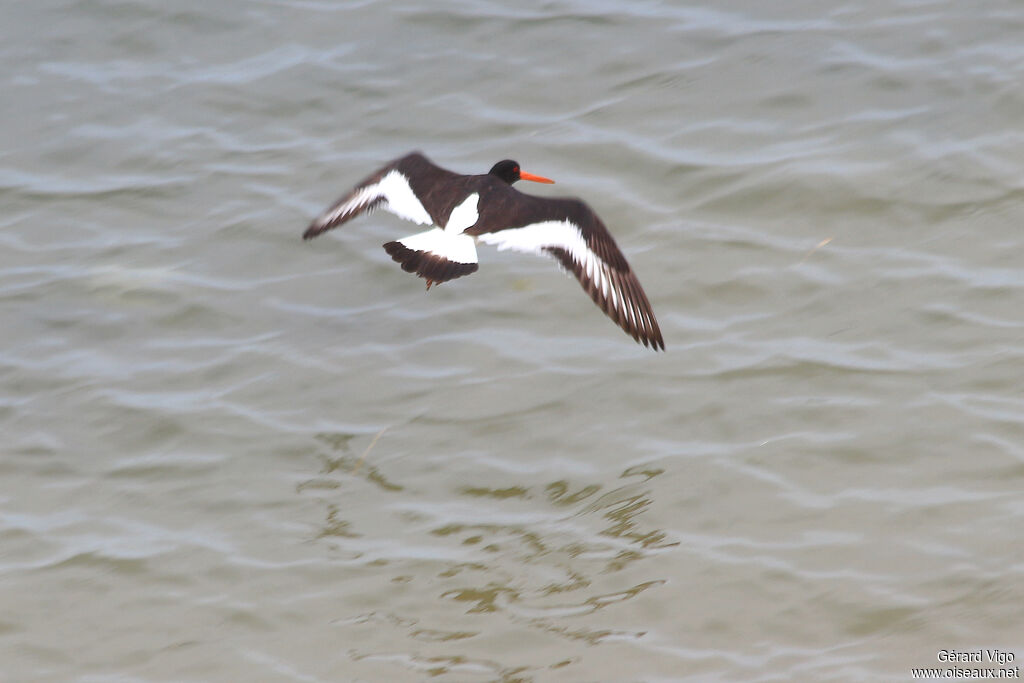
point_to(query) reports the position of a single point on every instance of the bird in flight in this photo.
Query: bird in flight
(466, 209)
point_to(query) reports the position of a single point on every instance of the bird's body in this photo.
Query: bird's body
(486, 208)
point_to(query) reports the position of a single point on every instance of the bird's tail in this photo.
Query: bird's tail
(435, 255)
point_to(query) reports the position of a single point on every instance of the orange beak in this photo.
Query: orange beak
(535, 178)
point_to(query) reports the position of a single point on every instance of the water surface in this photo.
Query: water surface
(231, 455)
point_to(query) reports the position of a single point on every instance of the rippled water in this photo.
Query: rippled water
(231, 455)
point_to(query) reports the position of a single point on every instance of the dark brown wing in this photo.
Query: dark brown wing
(571, 232)
(404, 187)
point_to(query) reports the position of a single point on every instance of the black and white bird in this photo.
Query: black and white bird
(466, 209)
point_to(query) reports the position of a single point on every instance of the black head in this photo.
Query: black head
(510, 172)
(507, 170)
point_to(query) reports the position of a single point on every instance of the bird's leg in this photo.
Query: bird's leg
(429, 282)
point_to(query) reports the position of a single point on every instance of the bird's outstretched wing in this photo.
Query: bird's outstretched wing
(390, 188)
(572, 233)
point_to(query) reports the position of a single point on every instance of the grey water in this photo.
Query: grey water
(231, 455)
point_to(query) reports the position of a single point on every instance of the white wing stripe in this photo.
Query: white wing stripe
(631, 310)
(361, 198)
(401, 200)
(392, 193)
(599, 276)
(615, 296)
(534, 237)
(565, 235)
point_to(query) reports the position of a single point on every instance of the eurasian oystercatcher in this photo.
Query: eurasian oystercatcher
(486, 208)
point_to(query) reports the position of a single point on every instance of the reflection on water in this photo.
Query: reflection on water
(543, 576)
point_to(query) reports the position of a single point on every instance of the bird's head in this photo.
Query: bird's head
(510, 172)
